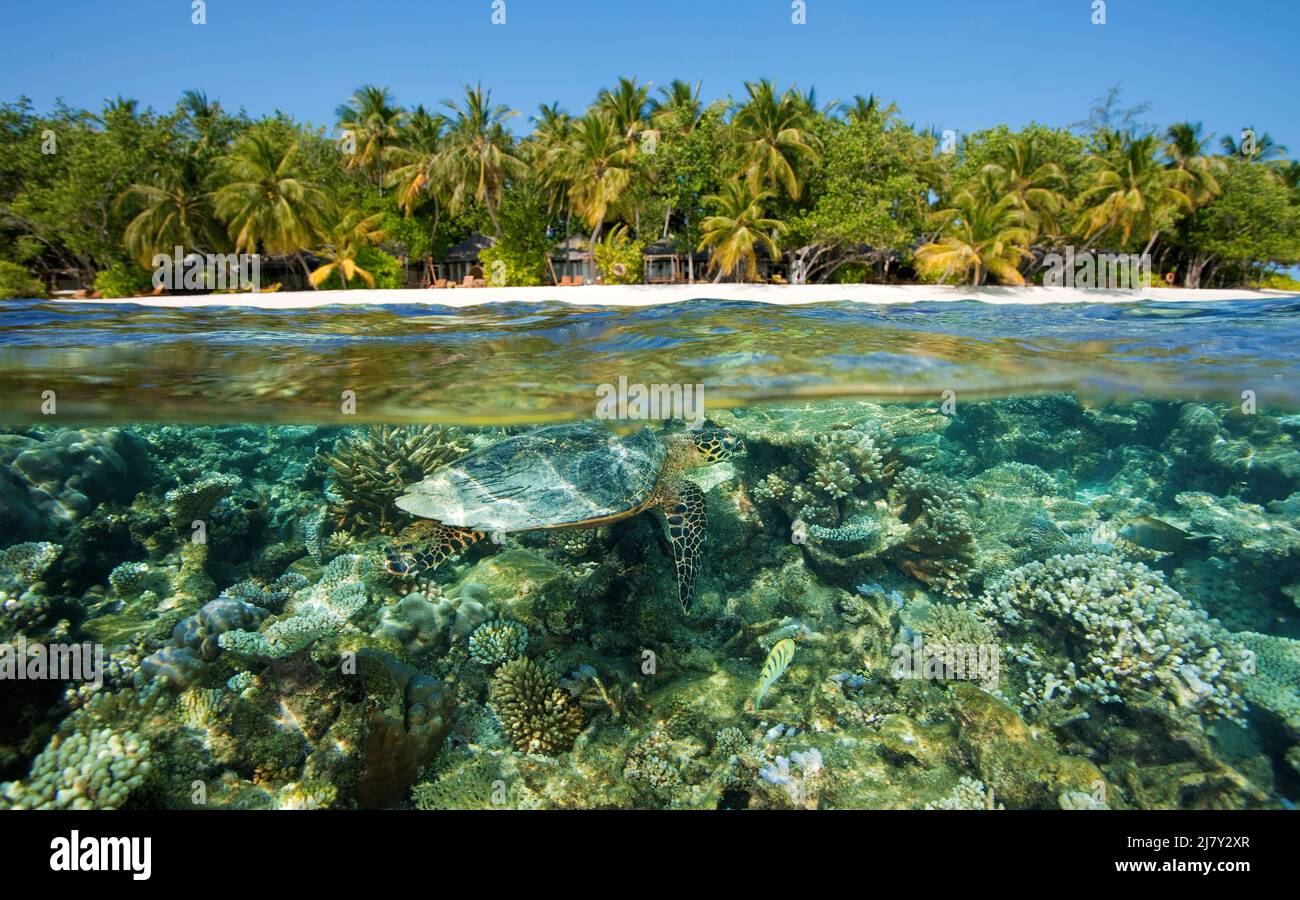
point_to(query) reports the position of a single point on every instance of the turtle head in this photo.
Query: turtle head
(400, 560)
(714, 445)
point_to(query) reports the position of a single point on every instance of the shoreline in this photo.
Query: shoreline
(656, 295)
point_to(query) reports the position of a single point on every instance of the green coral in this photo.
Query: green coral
(536, 715)
(494, 643)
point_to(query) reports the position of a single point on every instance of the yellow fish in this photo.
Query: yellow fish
(774, 667)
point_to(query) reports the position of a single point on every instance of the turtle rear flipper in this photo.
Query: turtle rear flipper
(424, 545)
(684, 509)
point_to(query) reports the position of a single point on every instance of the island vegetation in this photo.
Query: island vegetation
(824, 192)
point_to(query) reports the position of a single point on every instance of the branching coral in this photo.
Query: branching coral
(1113, 631)
(494, 643)
(536, 715)
(82, 768)
(370, 470)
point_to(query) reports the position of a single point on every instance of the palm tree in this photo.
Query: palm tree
(173, 214)
(1265, 148)
(479, 154)
(980, 236)
(346, 235)
(1185, 149)
(1131, 194)
(867, 109)
(1019, 170)
(596, 165)
(267, 198)
(374, 123)
(413, 160)
(680, 107)
(737, 228)
(552, 130)
(773, 136)
(626, 105)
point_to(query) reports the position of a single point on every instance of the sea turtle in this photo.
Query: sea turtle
(577, 475)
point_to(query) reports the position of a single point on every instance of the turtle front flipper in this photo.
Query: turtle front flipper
(422, 547)
(684, 509)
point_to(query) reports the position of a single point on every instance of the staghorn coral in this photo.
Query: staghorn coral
(371, 469)
(536, 715)
(1117, 632)
(939, 548)
(494, 643)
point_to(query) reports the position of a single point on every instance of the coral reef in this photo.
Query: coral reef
(537, 716)
(371, 469)
(1097, 627)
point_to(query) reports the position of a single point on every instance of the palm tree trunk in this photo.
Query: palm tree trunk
(303, 262)
(591, 251)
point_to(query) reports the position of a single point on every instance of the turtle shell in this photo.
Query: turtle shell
(558, 475)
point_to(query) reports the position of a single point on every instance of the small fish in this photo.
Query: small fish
(773, 668)
(1155, 534)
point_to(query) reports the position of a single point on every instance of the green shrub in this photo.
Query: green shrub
(16, 282)
(619, 258)
(124, 280)
(508, 266)
(1274, 281)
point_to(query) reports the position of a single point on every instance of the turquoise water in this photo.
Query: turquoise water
(951, 554)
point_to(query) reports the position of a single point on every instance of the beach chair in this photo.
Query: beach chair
(468, 281)
(439, 283)
(566, 281)
(578, 280)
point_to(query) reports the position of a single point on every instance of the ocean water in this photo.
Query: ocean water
(938, 555)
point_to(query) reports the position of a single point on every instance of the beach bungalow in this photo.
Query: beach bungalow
(667, 261)
(462, 260)
(569, 260)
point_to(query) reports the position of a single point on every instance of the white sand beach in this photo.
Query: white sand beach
(651, 295)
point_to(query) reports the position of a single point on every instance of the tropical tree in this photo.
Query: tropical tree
(679, 109)
(267, 198)
(414, 159)
(626, 105)
(347, 234)
(173, 214)
(1130, 195)
(774, 138)
(479, 155)
(596, 165)
(1185, 148)
(979, 236)
(737, 228)
(1253, 146)
(1036, 184)
(374, 123)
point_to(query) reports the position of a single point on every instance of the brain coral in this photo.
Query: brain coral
(537, 716)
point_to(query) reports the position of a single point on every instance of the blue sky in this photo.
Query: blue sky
(959, 64)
